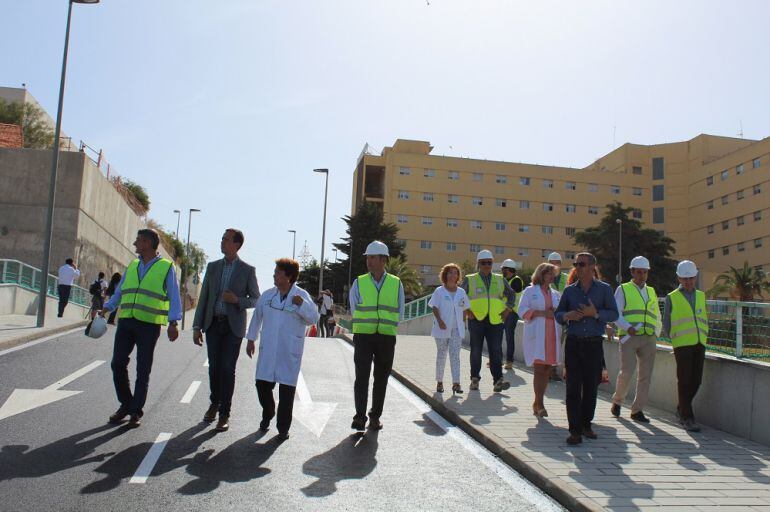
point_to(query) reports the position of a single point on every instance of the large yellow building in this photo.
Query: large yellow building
(710, 194)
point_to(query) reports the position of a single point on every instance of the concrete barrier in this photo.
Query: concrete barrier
(15, 300)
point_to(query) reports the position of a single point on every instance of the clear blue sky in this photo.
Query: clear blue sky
(228, 105)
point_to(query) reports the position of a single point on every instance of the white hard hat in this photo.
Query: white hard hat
(376, 248)
(509, 263)
(686, 268)
(554, 256)
(484, 255)
(640, 262)
(97, 327)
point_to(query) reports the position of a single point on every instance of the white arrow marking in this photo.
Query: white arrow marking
(149, 461)
(313, 415)
(188, 396)
(22, 400)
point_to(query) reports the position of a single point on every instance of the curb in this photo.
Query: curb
(492, 443)
(21, 340)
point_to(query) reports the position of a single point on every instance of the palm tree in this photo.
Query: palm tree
(741, 283)
(409, 278)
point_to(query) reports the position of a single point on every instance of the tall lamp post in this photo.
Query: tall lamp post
(54, 170)
(323, 230)
(620, 250)
(350, 272)
(294, 242)
(335, 255)
(178, 216)
(187, 253)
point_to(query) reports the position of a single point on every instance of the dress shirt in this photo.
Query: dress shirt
(690, 296)
(600, 294)
(68, 274)
(510, 295)
(355, 297)
(224, 282)
(620, 299)
(172, 290)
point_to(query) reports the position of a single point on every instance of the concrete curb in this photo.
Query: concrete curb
(21, 340)
(561, 493)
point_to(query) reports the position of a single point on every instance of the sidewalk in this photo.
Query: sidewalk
(19, 329)
(630, 467)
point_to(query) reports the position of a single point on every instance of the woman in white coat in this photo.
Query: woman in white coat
(541, 331)
(279, 322)
(449, 303)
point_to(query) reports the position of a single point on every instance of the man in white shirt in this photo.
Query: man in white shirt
(67, 275)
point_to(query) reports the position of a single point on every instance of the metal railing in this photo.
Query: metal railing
(417, 308)
(29, 277)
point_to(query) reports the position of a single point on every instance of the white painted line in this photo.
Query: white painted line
(75, 375)
(41, 340)
(147, 465)
(188, 396)
(206, 362)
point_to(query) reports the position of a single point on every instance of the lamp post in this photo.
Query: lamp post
(187, 253)
(178, 216)
(335, 255)
(54, 170)
(294, 242)
(620, 250)
(350, 272)
(323, 230)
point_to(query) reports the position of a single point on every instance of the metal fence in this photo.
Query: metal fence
(29, 277)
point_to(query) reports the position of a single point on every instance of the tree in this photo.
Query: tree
(308, 278)
(37, 133)
(602, 242)
(409, 278)
(743, 284)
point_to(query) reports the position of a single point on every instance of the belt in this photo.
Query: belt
(220, 318)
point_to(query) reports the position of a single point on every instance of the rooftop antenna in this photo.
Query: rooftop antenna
(304, 256)
(740, 129)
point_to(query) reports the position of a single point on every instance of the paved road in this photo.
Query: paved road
(64, 456)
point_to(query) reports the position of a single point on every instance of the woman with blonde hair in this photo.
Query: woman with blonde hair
(449, 303)
(541, 331)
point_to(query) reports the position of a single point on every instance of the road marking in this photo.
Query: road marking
(188, 396)
(22, 400)
(206, 362)
(41, 340)
(521, 486)
(313, 415)
(149, 461)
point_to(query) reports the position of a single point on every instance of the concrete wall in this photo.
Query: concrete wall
(15, 300)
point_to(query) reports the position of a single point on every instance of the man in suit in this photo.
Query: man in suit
(229, 289)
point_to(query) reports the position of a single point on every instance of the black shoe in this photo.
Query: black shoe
(640, 417)
(135, 421)
(211, 413)
(223, 424)
(574, 439)
(358, 424)
(119, 415)
(375, 423)
(264, 425)
(283, 436)
(615, 410)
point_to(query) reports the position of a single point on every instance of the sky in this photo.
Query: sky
(228, 105)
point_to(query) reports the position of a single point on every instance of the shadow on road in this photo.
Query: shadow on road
(353, 458)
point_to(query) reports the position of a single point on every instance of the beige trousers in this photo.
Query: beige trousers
(641, 349)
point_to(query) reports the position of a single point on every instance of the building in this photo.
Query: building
(710, 194)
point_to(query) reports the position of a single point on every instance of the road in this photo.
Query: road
(59, 453)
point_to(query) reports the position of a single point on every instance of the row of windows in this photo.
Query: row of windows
(739, 247)
(740, 221)
(477, 224)
(739, 169)
(523, 252)
(741, 194)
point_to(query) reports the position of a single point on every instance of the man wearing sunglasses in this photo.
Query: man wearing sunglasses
(585, 308)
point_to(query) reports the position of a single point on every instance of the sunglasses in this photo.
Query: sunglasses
(580, 264)
(485, 263)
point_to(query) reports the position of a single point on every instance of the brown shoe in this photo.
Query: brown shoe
(574, 439)
(211, 413)
(590, 434)
(119, 415)
(223, 424)
(375, 424)
(135, 421)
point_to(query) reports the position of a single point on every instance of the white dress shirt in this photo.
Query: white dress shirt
(68, 274)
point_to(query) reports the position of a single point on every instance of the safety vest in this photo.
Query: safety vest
(518, 294)
(560, 283)
(378, 311)
(487, 301)
(637, 311)
(688, 327)
(146, 299)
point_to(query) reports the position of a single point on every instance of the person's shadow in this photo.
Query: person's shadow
(428, 427)
(492, 405)
(353, 458)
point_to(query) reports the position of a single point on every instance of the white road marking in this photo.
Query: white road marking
(190, 393)
(74, 375)
(313, 415)
(41, 340)
(520, 485)
(206, 362)
(149, 461)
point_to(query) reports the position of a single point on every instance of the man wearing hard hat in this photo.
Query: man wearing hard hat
(639, 327)
(377, 305)
(560, 280)
(686, 323)
(492, 300)
(517, 285)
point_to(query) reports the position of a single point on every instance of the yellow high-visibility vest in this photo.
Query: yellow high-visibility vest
(560, 282)
(378, 311)
(637, 311)
(688, 326)
(146, 299)
(487, 301)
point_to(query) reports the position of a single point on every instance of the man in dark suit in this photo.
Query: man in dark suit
(229, 289)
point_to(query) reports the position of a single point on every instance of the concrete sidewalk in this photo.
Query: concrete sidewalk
(630, 466)
(19, 329)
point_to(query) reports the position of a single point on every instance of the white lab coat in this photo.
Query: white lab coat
(280, 328)
(447, 306)
(534, 330)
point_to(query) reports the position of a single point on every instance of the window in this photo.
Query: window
(404, 171)
(452, 223)
(501, 180)
(453, 199)
(570, 185)
(523, 252)
(658, 193)
(402, 219)
(593, 210)
(658, 215)
(725, 225)
(426, 244)
(454, 175)
(476, 224)
(739, 169)
(740, 220)
(477, 201)
(523, 228)
(403, 194)
(427, 221)
(499, 226)
(524, 181)
(524, 205)
(637, 213)
(570, 231)
(741, 247)
(502, 203)
(724, 175)
(755, 163)
(637, 191)
(570, 208)
(711, 254)
(425, 269)
(757, 189)
(757, 243)
(593, 187)
(451, 246)
(401, 242)
(614, 189)
(709, 181)
(547, 183)
(658, 166)
(499, 250)
(725, 200)
(710, 229)
(544, 253)
(570, 255)
(477, 176)
(429, 173)
(758, 215)
(710, 205)
(637, 169)
(547, 230)
(474, 247)
(548, 207)
(739, 195)
(725, 250)
(427, 196)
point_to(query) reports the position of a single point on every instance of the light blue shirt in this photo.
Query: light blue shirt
(172, 289)
(355, 297)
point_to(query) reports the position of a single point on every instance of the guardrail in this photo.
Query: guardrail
(29, 277)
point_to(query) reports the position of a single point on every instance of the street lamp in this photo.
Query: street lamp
(323, 231)
(54, 169)
(294, 242)
(178, 216)
(350, 272)
(187, 252)
(335, 255)
(620, 250)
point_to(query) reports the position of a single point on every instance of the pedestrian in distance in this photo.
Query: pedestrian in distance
(229, 288)
(686, 324)
(517, 285)
(542, 334)
(68, 273)
(326, 308)
(97, 290)
(639, 325)
(377, 306)
(148, 297)
(585, 308)
(449, 303)
(279, 321)
(114, 282)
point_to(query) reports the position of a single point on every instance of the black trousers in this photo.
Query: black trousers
(223, 349)
(285, 403)
(583, 361)
(377, 349)
(689, 373)
(129, 334)
(322, 328)
(64, 297)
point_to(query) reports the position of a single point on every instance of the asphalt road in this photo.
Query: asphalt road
(63, 455)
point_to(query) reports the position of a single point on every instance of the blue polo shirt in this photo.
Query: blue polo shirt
(601, 295)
